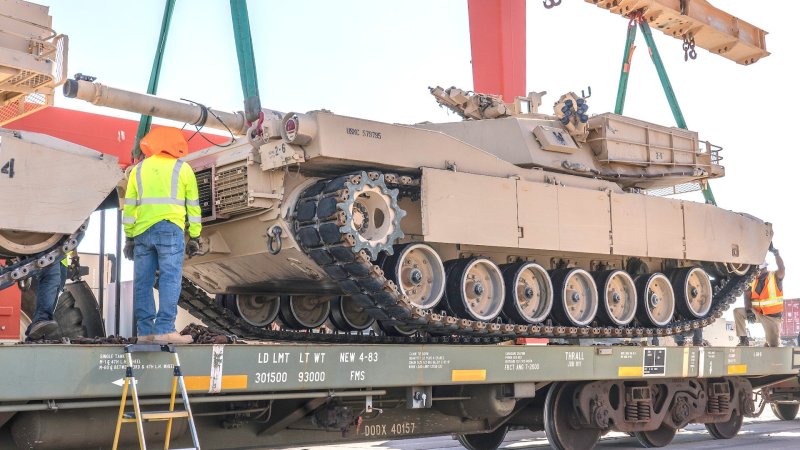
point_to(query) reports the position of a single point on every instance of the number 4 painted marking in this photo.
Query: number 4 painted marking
(8, 168)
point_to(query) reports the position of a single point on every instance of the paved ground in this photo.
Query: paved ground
(765, 432)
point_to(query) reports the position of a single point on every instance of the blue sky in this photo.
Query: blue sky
(375, 59)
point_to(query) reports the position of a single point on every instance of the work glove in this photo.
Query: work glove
(128, 250)
(193, 247)
(751, 316)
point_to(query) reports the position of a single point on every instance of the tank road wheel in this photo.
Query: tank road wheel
(660, 437)
(617, 297)
(372, 215)
(726, 430)
(693, 292)
(656, 299)
(560, 420)
(483, 441)
(256, 309)
(14, 243)
(301, 312)
(392, 329)
(474, 288)
(785, 411)
(529, 292)
(418, 272)
(348, 315)
(575, 297)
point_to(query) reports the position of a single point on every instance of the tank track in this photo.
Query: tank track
(221, 320)
(320, 238)
(25, 268)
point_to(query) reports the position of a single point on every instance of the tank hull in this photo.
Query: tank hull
(45, 183)
(481, 205)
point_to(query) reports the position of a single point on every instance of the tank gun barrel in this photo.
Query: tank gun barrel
(102, 95)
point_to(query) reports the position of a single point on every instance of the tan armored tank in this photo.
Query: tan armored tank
(509, 223)
(48, 187)
(46, 195)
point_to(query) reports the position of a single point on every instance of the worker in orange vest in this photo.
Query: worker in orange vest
(161, 204)
(763, 303)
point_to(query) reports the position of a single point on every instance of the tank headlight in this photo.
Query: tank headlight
(298, 129)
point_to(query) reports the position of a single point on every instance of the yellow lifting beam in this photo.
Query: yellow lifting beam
(698, 21)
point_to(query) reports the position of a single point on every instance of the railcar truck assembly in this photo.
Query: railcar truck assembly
(368, 280)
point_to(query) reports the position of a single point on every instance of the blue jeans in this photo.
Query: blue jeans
(160, 248)
(51, 283)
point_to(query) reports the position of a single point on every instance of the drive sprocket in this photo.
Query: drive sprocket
(371, 214)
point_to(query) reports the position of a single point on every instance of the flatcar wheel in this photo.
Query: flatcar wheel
(348, 315)
(483, 441)
(693, 292)
(474, 289)
(574, 297)
(256, 309)
(418, 272)
(660, 437)
(617, 297)
(726, 430)
(656, 299)
(529, 292)
(785, 411)
(300, 312)
(560, 420)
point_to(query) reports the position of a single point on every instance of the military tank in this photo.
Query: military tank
(510, 223)
(50, 209)
(43, 210)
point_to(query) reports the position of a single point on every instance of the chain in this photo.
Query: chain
(21, 270)
(689, 51)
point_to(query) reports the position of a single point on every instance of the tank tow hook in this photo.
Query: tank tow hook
(274, 240)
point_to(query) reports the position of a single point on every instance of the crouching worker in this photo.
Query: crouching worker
(160, 200)
(763, 303)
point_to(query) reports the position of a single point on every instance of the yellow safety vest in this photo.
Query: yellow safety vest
(161, 188)
(770, 299)
(65, 261)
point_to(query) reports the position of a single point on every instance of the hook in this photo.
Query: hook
(584, 94)
(551, 3)
(274, 240)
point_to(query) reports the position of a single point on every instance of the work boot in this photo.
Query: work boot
(145, 339)
(743, 342)
(44, 329)
(172, 338)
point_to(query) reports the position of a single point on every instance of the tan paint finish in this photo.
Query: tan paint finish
(584, 220)
(538, 215)
(628, 224)
(466, 208)
(711, 232)
(664, 227)
(457, 210)
(56, 184)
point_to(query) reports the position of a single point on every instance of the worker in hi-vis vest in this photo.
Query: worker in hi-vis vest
(763, 303)
(160, 200)
(51, 280)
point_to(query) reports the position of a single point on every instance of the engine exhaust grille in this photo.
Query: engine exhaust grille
(230, 187)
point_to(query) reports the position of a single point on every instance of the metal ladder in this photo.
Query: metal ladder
(140, 417)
